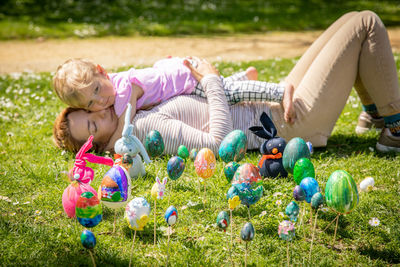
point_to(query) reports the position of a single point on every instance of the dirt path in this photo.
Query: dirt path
(35, 55)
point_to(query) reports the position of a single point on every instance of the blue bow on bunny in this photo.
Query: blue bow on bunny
(270, 164)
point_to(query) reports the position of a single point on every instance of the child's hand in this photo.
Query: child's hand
(287, 102)
(203, 68)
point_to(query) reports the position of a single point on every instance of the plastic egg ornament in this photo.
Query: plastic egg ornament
(292, 210)
(193, 154)
(310, 187)
(71, 195)
(223, 220)
(175, 167)
(115, 188)
(88, 210)
(310, 147)
(341, 193)
(230, 169)
(247, 232)
(248, 184)
(286, 230)
(303, 168)
(298, 193)
(233, 147)
(171, 215)
(317, 200)
(295, 149)
(154, 143)
(367, 184)
(183, 152)
(88, 239)
(205, 163)
(137, 213)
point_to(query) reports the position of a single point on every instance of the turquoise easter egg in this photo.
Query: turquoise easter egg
(317, 200)
(233, 147)
(230, 169)
(154, 143)
(183, 152)
(310, 187)
(248, 183)
(341, 192)
(303, 168)
(247, 232)
(88, 239)
(223, 220)
(295, 149)
(175, 167)
(88, 210)
(193, 153)
(292, 210)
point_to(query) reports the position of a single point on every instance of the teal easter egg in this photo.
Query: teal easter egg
(183, 152)
(154, 143)
(223, 220)
(233, 147)
(292, 210)
(175, 167)
(88, 239)
(88, 210)
(230, 169)
(247, 232)
(341, 192)
(248, 183)
(193, 153)
(317, 200)
(303, 168)
(295, 149)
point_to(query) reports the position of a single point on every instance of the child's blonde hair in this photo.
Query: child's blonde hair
(71, 78)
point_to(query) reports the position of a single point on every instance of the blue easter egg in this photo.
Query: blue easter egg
(88, 239)
(233, 147)
(310, 187)
(175, 167)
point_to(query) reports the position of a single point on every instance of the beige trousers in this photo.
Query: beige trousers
(353, 51)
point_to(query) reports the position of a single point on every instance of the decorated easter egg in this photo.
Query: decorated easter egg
(367, 184)
(341, 192)
(223, 220)
(158, 189)
(292, 210)
(303, 168)
(205, 163)
(137, 213)
(88, 239)
(295, 149)
(171, 215)
(183, 152)
(88, 210)
(298, 193)
(230, 169)
(233, 198)
(71, 194)
(317, 200)
(248, 183)
(193, 154)
(286, 230)
(154, 143)
(233, 147)
(115, 188)
(310, 147)
(247, 232)
(175, 167)
(310, 187)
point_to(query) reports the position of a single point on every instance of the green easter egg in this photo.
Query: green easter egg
(154, 143)
(183, 152)
(295, 149)
(303, 168)
(233, 147)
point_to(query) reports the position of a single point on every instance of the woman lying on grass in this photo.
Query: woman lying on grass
(354, 51)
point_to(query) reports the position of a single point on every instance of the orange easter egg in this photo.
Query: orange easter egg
(205, 163)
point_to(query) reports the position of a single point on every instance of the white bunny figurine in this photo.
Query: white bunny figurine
(131, 145)
(158, 189)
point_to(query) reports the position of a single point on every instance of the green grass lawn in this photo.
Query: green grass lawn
(35, 231)
(67, 18)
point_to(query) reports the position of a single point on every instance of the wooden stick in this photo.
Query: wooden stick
(334, 236)
(230, 251)
(245, 256)
(133, 243)
(331, 223)
(287, 254)
(205, 196)
(248, 209)
(169, 233)
(91, 256)
(115, 220)
(311, 217)
(312, 238)
(155, 221)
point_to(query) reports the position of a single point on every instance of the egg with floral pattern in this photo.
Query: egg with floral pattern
(205, 163)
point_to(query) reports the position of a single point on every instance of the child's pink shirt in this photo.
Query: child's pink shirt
(167, 78)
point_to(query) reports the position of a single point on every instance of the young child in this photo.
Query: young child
(82, 84)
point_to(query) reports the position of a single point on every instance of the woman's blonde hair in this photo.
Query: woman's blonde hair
(71, 77)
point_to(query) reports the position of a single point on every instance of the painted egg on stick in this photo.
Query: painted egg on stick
(154, 143)
(233, 147)
(295, 149)
(292, 210)
(341, 192)
(71, 195)
(248, 184)
(205, 163)
(193, 154)
(183, 152)
(317, 200)
(286, 230)
(299, 194)
(171, 215)
(223, 220)
(88, 210)
(303, 168)
(88, 239)
(247, 233)
(230, 169)
(137, 213)
(310, 187)
(175, 167)
(115, 188)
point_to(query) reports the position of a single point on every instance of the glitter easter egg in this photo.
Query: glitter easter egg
(298, 193)
(230, 169)
(295, 149)
(115, 188)
(71, 195)
(317, 200)
(248, 183)
(303, 168)
(247, 233)
(205, 163)
(310, 187)
(171, 215)
(183, 152)
(193, 153)
(223, 220)
(367, 184)
(292, 210)
(88, 210)
(175, 167)
(88, 239)
(286, 230)
(154, 143)
(233, 147)
(341, 192)
(137, 213)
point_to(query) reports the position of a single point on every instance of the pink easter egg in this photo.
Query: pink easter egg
(71, 195)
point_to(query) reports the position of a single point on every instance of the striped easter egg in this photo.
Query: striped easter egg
(88, 210)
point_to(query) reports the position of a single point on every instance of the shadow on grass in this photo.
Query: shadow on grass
(388, 255)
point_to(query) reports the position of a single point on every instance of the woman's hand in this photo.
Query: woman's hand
(203, 68)
(287, 102)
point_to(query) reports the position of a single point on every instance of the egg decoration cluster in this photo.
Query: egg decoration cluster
(247, 183)
(88, 210)
(205, 163)
(233, 147)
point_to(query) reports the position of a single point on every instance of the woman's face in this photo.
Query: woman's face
(101, 124)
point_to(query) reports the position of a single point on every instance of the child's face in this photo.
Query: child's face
(99, 96)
